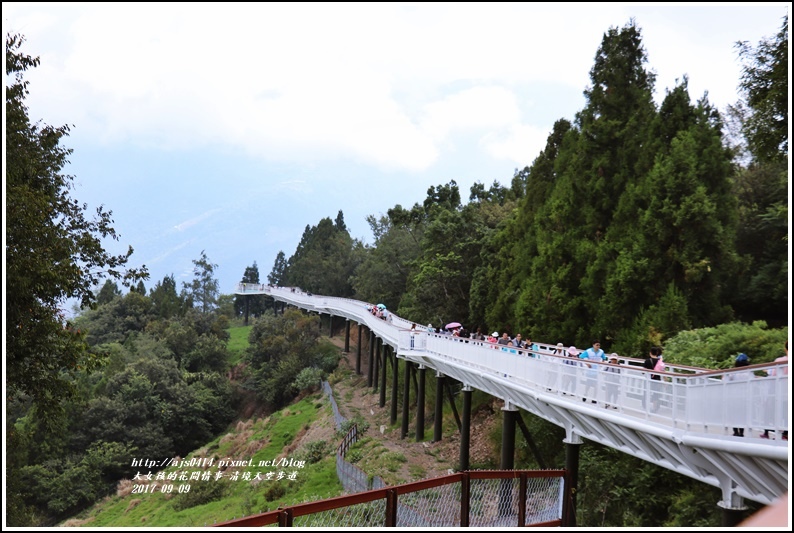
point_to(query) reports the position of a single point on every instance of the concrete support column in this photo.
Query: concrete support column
(465, 430)
(420, 405)
(438, 418)
(347, 335)
(406, 395)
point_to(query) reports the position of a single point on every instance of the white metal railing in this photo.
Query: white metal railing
(692, 399)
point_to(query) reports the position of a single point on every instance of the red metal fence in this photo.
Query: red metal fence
(488, 498)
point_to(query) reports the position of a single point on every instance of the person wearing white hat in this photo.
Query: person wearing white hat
(569, 372)
(560, 349)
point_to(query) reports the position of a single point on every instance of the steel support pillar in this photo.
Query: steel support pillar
(465, 430)
(371, 357)
(508, 436)
(358, 350)
(510, 414)
(378, 350)
(732, 505)
(347, 335)
(438, 418)
(330, 326)
(395, 380)
(406, 397)
(732, 517)
(420, 405)
(572, 447)
(382, 400)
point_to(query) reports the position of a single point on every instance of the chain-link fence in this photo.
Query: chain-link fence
(338, 418)
(474, 499)
(353, 479)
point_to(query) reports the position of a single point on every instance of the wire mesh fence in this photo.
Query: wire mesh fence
(367, 514)
(433, 507)
(352, 478)
(338, 418)
(474, 499)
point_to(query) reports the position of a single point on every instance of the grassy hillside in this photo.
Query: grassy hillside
(237, 343)
(302, 432)
(234, 475)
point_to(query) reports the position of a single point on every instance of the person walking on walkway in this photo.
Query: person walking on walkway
(593, 354)
(612, 381)
(741, 361)
(654, 356)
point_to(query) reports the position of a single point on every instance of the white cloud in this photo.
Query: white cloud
(300, 186)
(475, 108)
(388, 85)
(164, 255)
(520, 144)
(195, 220)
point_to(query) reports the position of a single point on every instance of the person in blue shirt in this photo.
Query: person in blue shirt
(596, 354)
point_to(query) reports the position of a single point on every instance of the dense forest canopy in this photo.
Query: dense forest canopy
(638, 224)
(635, 222)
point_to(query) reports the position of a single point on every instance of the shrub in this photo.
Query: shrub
(308, 379)
(274, 491)
(362, 424)
(316, 451)
(353, 456)
(201, 493)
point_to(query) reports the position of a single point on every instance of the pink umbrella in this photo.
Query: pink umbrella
(452, 325)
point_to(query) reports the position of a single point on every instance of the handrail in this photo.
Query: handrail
(682, 421)
(463, 487)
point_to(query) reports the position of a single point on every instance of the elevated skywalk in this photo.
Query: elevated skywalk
(689, 432)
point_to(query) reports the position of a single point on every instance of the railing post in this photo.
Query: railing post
(465, 497)
(522, 500)
(391, 508)
(285, 518)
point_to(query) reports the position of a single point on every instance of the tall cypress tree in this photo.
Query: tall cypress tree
(250, 304)
(640, 209)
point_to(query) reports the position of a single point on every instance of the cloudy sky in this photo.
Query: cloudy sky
(229, 128)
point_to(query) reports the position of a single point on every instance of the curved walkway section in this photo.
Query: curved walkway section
(684, 422)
